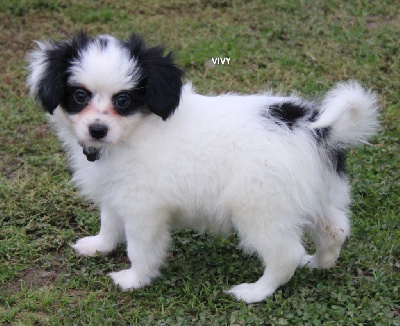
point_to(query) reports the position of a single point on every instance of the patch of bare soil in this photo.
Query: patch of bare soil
(32, 277)
(373, 22)
(17, 35)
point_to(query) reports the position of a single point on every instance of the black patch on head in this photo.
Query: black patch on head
(130, 101)
(52, 86)
(288, 113)
(160, 84)
(73, 101)
(158, 90)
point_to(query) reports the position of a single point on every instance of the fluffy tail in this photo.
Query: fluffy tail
(350, 113)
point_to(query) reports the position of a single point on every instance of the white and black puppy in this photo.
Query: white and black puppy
(156, 156)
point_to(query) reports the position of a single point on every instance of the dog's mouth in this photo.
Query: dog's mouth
(92, 153)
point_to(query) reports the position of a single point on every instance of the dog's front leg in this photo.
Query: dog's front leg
(111, 233)
(147, 237)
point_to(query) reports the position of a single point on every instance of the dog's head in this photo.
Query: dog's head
(104, 85)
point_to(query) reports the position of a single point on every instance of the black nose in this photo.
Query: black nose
(98, 131)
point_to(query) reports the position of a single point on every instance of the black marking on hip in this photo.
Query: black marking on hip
(338, 159)
(321, 134)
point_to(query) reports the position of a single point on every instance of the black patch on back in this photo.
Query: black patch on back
(288, 113)
(160, 81)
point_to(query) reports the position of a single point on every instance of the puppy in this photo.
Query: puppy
(154, 155)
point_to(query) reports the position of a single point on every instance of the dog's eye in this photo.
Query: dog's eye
(81, 96)
(122, 100)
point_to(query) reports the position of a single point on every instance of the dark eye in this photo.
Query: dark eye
(81, 96)
(122, 100)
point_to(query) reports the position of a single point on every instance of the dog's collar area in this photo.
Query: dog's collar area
(92, 153)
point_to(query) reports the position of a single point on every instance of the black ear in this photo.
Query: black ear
(49, 66)
(164, 82)
(160, 77)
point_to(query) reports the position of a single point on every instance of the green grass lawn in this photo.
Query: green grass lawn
(304, 46)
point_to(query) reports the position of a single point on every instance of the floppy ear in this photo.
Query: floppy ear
(164, 82)
(48, 67)
(160, 77)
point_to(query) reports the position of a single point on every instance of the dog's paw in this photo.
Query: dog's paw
(88, 246)
(128, 279)
(309, 261)
(250, 292)
(324, 262)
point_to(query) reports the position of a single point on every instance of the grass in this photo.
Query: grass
(285, 45)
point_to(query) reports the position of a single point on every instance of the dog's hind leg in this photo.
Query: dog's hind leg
(280, 249)
(331, 227)
(328, 235)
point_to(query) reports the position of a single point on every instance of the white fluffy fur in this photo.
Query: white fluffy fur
(37, 66)
(111, 61)
(218, 164)
(351, 111)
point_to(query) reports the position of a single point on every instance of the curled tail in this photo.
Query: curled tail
(350, 113)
